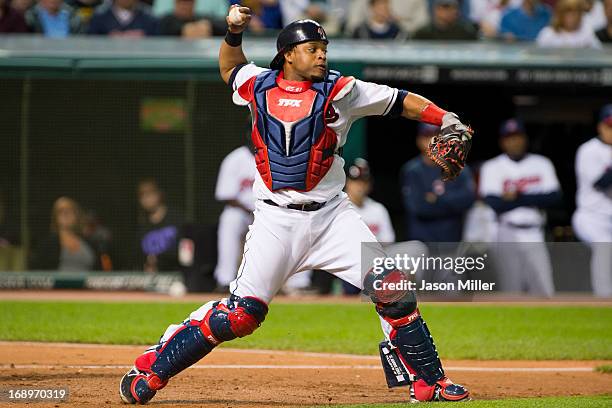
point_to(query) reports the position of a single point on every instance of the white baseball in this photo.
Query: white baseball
(236, 17)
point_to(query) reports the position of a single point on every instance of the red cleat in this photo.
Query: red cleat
(442, 390)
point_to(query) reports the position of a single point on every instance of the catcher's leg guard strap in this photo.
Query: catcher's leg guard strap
(396, 373)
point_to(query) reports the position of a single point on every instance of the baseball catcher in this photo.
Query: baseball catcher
(302, 113)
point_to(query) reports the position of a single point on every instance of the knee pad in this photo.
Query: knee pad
(239, 317)
(399, 313)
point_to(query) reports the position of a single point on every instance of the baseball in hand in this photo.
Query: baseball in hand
(236, 17)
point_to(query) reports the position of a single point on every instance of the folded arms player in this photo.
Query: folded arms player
(302, 113)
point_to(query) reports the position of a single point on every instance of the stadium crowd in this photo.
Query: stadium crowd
(549, 23)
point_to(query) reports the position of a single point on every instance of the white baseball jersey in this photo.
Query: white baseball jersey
(376, 217)
(363, 99)
(592, 160)
(534, 174)
(236, 176)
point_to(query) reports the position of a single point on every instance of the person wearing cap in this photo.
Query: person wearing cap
(374, 214)
(519, 185)
(592, 220)
(447, 24)
(434, 208)
(302, 113)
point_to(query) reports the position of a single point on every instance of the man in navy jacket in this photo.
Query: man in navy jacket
(435, 208)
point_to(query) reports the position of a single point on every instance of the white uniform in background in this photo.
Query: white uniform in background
(377, 218)
(522, 266)
(235, 182)
(592, 220)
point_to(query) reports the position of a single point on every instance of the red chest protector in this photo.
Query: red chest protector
(294, 146)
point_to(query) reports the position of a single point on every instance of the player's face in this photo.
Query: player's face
(514, 145)
(357, 189)
(605, 132)
(307, 61)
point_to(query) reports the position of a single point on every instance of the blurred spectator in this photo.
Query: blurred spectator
(267, 15)
(21, 6)
(54, 19)
(592, 220)
(409, 14)
(518, 186)
(567, 29)
(487, 14)
(524, 23)
(84, 8)
(594, 14)
(183, 22)
(212, 9)
(159, 230)
(435, 208)
(11, 21)
(446, 24)
(99, 236)
(292, 10)
(605, 34)
(65, 249)
(127, 18)
(380, 23)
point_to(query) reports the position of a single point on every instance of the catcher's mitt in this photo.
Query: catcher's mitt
(450, 148)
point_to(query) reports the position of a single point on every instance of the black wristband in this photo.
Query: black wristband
(233, 39)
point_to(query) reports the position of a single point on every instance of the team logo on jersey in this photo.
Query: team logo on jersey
(331, 115)
(292, 103)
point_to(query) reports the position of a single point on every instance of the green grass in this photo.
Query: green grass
(566, 402)
(605, 369)
(461, 331)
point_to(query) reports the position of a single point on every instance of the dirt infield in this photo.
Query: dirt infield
(565, 299)
(260, 378)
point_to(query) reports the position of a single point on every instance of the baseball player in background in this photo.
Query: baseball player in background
(302, 113)
(592, 220)
(435, 208)
(373, 213)
(518, 185)
(235, 190)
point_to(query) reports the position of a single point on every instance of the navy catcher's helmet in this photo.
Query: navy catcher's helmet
(298, 32)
